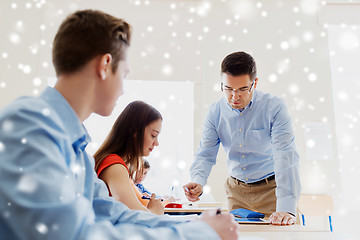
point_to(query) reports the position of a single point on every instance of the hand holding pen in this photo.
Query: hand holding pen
(222, 223)
(218, 211)
(193, 191)
(155, 205)
(148, 198)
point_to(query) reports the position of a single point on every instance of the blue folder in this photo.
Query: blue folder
(245, 213)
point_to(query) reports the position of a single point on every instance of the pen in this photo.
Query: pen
(148, 198)
(187, 189)
(218, 211)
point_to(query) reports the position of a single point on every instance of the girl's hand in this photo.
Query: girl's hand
(155, 206)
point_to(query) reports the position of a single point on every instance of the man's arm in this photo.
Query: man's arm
(205, 159)
(286, 161)
(205, 156)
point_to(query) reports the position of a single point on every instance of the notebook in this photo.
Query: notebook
(252, 221)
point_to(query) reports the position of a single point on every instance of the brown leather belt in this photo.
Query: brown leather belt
(265, 180)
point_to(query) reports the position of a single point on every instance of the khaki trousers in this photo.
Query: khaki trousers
(256, 197)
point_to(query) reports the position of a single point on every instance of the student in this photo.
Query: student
(141, 177)
(119, 159)
(48, 186)
(256, 132)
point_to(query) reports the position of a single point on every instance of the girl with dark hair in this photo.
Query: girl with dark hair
(119, 159)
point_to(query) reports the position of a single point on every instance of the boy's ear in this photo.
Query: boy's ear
(256, 81)
(104, 66)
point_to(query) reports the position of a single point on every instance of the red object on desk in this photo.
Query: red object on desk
(173, 205)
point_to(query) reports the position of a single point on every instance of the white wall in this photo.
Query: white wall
(344, 41)
(186, 41)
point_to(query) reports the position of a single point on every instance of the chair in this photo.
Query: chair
(316, 205)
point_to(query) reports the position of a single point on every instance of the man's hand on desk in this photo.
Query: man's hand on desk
(282, 218)
(193, 191)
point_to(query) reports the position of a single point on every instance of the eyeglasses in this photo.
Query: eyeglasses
(240, 91)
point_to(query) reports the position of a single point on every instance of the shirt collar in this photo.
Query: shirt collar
(75, 129)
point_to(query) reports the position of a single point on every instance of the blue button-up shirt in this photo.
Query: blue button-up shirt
(48, 186)
(258, 141)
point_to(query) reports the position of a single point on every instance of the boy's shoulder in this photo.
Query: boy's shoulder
(30, 112)
(25, 105)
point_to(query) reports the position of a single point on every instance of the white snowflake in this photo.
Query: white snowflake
(25, 68)
(207, 189)
(294, 88)
(28, 5)
(167, 69)
(37, 81)
(308, 36)
(308, 7)
(45, 64)
(272, 78)
(76, 168)
(7, 126)
(27, 184)
(343, 96)
(6, 214)
(20, 26)
(284, 45)
(14, 38)
(46, 112)
(2, 147)
(182, 165)
(312, 77)
(41, 228)
(150, 28)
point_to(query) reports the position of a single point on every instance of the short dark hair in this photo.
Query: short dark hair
(239, 63)
(126, 138)
(86, 34)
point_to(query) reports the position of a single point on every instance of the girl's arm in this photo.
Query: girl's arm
(117, 179)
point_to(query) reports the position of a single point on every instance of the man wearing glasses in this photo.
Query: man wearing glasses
(256, 133)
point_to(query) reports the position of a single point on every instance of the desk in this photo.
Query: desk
(186, 209)
(269, 232)
(294, 232)
(293, 236)
(274, 228)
